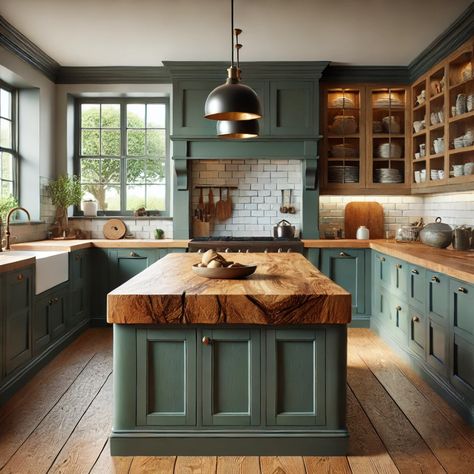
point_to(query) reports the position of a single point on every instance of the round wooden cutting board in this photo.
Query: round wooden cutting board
(115, 229)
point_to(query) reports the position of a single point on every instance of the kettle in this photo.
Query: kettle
(284, 230)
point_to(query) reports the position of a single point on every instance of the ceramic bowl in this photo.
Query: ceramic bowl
(469, 168)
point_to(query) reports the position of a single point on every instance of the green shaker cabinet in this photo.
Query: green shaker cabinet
(381, 269)
(417, 332)
(416, 287)
(230, 377)
(347, 267)
(18, 293)
(80, 286)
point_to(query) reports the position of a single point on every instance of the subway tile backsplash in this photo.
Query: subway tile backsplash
(256, 202)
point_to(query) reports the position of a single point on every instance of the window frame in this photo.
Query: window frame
(14, 150)
(123, 102)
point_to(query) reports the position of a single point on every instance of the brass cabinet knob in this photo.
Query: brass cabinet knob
(206, 340)
(398, 265)
(398, 308)
(134, 254)
(20, 276)
(382, 259)
(50, 302)
(415, 271)
(415, 319)
(461, 289)
(435, 279)
(343, 254)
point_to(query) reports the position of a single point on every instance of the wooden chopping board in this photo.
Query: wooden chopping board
(115, 229)
(369, 214)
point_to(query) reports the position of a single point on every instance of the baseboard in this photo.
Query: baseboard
(438, 384)
(20, 378)
(360, 322)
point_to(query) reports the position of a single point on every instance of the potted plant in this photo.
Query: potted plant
(64, 192)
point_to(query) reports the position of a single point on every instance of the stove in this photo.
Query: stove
(245, 244)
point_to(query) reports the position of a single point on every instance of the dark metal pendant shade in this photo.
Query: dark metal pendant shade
(238, 129)
(232, 100)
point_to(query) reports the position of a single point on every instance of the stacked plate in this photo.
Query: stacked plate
(342, 102)
(388, 101)
(343, 174)
(343, 151)
(390, 150)
(387, 175)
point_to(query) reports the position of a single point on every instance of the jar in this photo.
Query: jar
(89, 208)
(362, 233)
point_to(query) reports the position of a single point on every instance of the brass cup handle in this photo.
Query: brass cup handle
(415, 271)
(415, 319)
(461, 289)
(20, 277)
(398, 308)
(382, 259)
(435, 279)
(398, 265)
(206, 340)
(343, 254)
(134, 254)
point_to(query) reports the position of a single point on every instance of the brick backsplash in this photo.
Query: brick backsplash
(256, 202)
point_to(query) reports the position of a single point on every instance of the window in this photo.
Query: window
(8, 145)
(123, 149)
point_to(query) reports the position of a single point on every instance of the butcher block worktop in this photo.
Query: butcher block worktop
(285, 289)
(9, 261)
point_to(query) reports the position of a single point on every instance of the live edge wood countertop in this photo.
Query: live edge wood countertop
(285, 289)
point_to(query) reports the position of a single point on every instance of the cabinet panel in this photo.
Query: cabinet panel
(462, 305)
(292, 108)
(19, 297)
(382, 273)
(438, 296)
(80, 286)
(438, 347)
(417, 333)
(347, 268)
(398, 277)
(463, 365)
(126, 263)
(416, 287)
(295, 362)
(41, 325)
(166, 377)
(398, 315)
(231, 377)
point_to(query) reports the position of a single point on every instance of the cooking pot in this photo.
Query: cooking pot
(284, 230)
(437, 234)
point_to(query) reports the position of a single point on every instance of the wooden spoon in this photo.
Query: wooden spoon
(221, 210)
(228, 203)
(291, 208)
(201, 200)
(212, 206)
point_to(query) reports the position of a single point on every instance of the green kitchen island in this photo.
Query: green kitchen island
(230, 367)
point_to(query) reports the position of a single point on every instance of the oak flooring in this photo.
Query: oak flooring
(60, 420)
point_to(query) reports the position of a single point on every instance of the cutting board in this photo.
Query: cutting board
(369, 214)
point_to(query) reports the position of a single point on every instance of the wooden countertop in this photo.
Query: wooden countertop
(337, 243)
(9, 262)
(285, 289)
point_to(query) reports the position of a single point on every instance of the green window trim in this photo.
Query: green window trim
(149, 168)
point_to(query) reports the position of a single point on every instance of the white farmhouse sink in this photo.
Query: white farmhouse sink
(52, 268)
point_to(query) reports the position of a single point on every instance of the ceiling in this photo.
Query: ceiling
(146, 32)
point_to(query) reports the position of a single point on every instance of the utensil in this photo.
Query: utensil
(225, 273)
(437, 234)
(212, 205)
(201, 199)
(283, 208)
(284, 230)
(221, 209)
(291, 208)
(228, 204)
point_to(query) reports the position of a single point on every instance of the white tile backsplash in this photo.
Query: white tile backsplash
(256, 202)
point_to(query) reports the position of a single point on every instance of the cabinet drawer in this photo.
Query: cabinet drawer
(295, 363)
(437, 347)
(166, 377)
(417, 333)
(416, 287)
(462, 307)
(438, 296)
(463, 365)
(398, 314)
(230, 377)
(381, 269)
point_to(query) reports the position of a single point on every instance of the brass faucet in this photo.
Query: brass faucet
(7, 229)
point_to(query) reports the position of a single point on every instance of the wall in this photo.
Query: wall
(453, 208)
(257, 200)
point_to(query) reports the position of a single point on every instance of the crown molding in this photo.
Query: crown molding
(21, 46)
(113, 75)
(336, 73)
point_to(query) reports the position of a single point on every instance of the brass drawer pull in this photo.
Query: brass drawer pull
(20, 277)
(415, 319)
(435, 279)
(206, 340)
(382, 259)
(415, 271)
(343, 254)
(134, 254)
(398, 265)
(461, 289)
(398, 308)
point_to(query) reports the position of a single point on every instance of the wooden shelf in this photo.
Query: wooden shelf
(435, 156)
(333, 107)
(462, 116)
(418, 160)
(457, 151)
(460, 84)
(332, 158)
(388, 159)
(388, 135)
(396, 108)
(352, 135)
(419, 107)
(437, 96)
(436, 126)
(420, 133)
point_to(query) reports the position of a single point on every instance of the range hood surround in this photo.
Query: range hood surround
(278, 83)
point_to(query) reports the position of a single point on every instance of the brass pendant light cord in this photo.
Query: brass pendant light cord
(232, 31)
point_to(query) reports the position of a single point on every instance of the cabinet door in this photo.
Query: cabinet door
(438, 296)
(295, 369)
(462, 308)
(437, 353)
(80, 284)
(398, 317)
(100, 286)
(58, 313)
(346, 267)
(398, 277)
(41, 324)
(19, 298)
(166, 377)
(125, 264)
(381, 269)
(416, 287)
(292, 106)
(230, 377)
(417, 332)
(462, 375)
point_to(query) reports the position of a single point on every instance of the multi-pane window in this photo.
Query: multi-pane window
(8, 156)
(123, 151)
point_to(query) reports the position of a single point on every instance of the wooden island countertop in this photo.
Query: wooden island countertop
(285, 289)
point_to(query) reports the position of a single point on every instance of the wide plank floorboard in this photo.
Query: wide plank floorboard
(59, 421)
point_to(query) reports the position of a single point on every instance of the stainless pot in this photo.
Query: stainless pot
(284, 230)
(437, 234)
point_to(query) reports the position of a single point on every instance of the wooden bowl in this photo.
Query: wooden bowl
(225, 273)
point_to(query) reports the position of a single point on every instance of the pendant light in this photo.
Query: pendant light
(232, 100)
(238, 129)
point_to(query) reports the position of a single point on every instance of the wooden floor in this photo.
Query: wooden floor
(59, 422)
